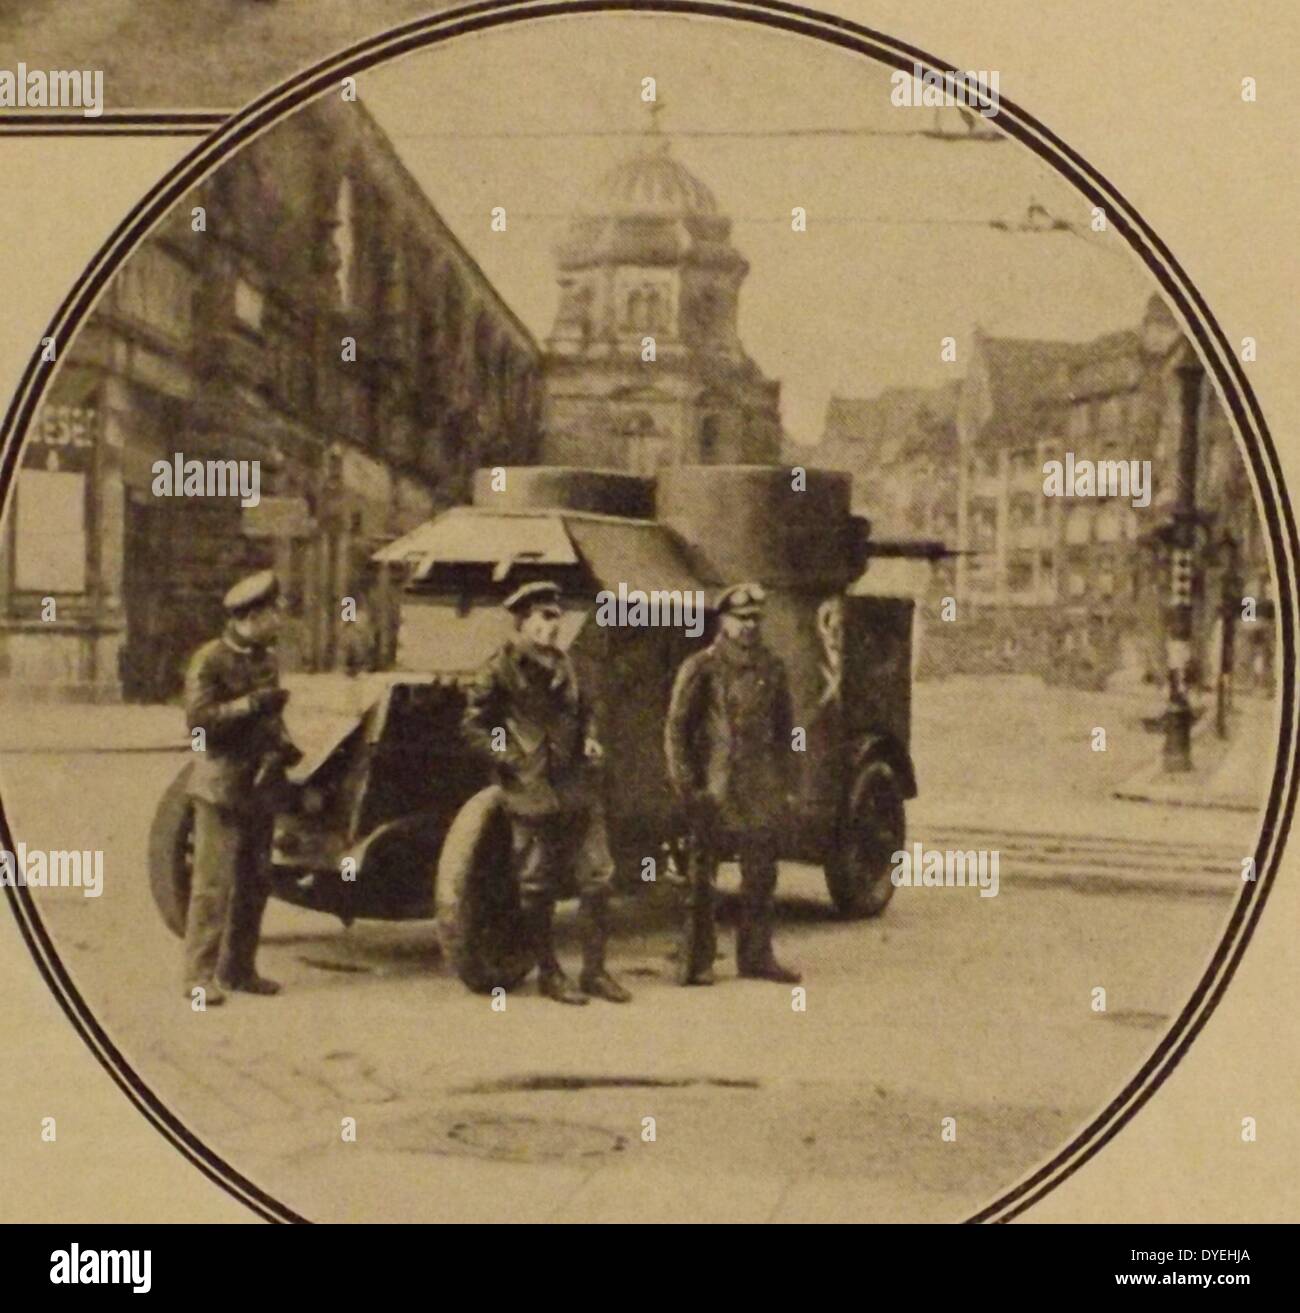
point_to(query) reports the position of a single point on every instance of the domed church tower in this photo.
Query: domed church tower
(647, 269)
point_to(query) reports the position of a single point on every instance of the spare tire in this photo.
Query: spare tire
(479, 922)
(171, 852)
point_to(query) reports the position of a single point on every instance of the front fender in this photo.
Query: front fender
(884, 747)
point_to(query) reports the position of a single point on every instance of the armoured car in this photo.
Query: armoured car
(393, 818)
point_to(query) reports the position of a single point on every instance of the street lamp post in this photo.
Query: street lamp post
(1183, 533)
(1229, 611)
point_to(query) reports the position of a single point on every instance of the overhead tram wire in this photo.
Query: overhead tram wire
(994, 225)
(535, 134)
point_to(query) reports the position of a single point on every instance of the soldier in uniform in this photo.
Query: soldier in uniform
(232, 693)
(526, 716)
(730, 763)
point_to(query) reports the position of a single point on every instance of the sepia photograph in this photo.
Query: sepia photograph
(631, 617)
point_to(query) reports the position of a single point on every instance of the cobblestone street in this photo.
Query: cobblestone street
(538, 1111)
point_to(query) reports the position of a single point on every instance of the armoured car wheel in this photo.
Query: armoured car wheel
(871, 831)
(171, 853)
(479, 923)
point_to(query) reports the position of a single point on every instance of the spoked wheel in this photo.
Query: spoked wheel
(171, 853)
(872, 830)
(479, 921)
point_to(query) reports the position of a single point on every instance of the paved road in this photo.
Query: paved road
(951, 1006)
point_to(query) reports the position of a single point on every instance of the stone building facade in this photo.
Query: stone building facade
(1073, 589)
(305, 308)
(644, 365)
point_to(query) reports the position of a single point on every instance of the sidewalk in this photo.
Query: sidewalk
(1015, 756)
(56, 727)
(1231, 774)
(318, 704)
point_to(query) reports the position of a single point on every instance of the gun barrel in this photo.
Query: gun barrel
(913, 549)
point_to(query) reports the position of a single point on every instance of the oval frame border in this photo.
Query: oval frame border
(1213, 347)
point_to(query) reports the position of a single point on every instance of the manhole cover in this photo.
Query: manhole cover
(514, 1139)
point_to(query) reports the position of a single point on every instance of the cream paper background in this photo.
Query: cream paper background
(1149, 94)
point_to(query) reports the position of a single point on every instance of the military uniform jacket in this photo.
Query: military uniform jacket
(222, 675)
(540, 761)
(728, 733)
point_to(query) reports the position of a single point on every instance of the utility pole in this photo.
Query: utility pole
(1229, 612)
(1184, 529)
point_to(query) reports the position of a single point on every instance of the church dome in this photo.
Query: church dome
(649, 209)
(652, 184)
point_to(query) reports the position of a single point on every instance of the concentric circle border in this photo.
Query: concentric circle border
(1213, 346)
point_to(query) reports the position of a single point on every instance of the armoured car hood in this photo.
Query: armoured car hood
(612, 549)
(466, 561)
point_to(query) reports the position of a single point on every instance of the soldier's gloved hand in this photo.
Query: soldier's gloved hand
(269, 701)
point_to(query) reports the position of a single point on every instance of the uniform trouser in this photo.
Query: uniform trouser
(228, 892)
(551, 855)
(758, 873)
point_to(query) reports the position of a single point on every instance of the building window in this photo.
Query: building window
(1022, 511)
(985, 527)
(250, 305)
(156, 289)
(1079, 420)
(1108, 523)
(50, 532)
(1078, 525)
(632, 318)
(653, 309)
(710, 431)
(345, 241)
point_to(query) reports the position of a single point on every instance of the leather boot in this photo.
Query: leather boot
(699, 943)
(555, 984)
(593, 920)
(253, 984)
(754, 956)
(213, 995)
(551, 980)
